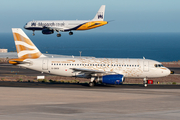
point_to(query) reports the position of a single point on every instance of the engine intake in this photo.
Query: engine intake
(113, 79)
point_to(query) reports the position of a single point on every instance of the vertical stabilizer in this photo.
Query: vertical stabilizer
(24, 46)
(100, 14)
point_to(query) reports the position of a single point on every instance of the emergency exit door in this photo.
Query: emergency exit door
(146, 66)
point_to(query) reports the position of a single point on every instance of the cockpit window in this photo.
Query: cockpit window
(158, 65)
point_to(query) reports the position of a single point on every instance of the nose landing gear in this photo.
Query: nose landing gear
(33, 33)
(145, 82)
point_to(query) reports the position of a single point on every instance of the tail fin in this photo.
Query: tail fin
(24, 46)
(100, 14)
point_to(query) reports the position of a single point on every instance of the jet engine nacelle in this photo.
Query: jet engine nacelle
(47, 31)
(113, 79)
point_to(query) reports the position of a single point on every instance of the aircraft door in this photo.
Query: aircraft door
(146, 66)
(45, 64)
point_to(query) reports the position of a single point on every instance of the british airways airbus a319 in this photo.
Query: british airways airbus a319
(102, 70)
(48, 27)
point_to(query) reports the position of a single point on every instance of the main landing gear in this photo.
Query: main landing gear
(92, 82)
(70, 33)
(58, 35)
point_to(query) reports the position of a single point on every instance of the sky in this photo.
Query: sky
(128, 15)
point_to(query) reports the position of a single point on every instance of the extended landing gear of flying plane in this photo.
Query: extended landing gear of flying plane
(33, 33)
(145, 82)
(58, 35)
(70, 33)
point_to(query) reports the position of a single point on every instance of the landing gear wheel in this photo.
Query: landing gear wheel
(91, 84)
(70, 33)
(59, 35)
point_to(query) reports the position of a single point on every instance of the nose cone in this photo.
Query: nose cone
(25, 26)
(168, 72)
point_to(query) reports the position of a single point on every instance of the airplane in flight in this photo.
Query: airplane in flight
(48, 27)
(104, 70)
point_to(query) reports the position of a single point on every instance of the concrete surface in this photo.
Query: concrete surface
(21, 103)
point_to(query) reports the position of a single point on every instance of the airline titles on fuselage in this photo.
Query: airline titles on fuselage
(47, 24)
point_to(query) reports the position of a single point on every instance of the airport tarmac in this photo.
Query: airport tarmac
(70, 103)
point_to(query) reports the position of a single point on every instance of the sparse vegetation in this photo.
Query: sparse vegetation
(39, 80)
(174, 83)
(45, 80)
(20, 80)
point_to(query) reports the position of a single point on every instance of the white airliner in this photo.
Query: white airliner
(104, 70)
(48, 27)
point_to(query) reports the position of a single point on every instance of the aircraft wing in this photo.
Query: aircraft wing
(89, 71)
(56, 28)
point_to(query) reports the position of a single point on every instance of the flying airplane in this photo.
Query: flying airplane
(48, 27)
(104, 70)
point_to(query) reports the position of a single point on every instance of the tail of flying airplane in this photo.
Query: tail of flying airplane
(24, 46)
(100, 14)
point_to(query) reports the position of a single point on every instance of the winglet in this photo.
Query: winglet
(24, 46)
(100, 14)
